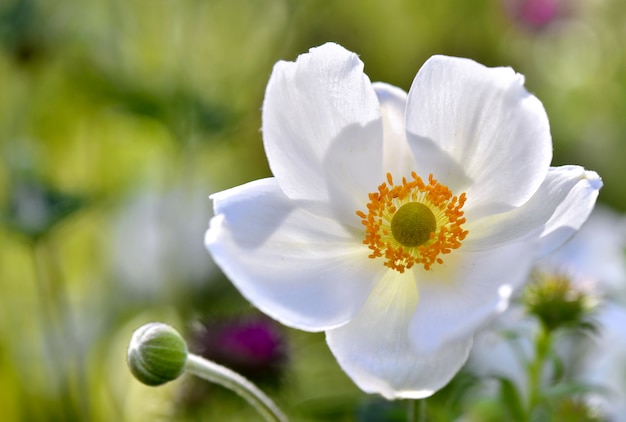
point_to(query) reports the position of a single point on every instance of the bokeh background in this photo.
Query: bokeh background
(119, 117)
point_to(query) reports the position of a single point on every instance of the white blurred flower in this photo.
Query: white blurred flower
(596, 254)
(396, 223)
(604, 365)
(155, 247)
(503, 348)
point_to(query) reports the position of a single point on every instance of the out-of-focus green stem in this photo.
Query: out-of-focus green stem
(543, 342)
(218, 374)
(416, 411)
(411, 411)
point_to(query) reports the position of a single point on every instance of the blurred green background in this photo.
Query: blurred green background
(119, 117)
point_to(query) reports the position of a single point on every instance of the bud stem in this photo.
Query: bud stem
(218, 374)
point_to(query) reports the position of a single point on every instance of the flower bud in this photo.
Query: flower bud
(557, 302)
(157, 354)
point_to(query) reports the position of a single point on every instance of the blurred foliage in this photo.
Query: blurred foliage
(105, 103)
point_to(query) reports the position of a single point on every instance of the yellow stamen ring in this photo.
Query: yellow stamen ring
(413, 223)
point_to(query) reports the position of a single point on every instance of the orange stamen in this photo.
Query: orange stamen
(389, 198)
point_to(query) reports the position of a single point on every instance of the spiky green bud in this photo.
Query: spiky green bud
(557, 302)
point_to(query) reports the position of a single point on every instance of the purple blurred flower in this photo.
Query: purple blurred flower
(254, 346)
(535, 14)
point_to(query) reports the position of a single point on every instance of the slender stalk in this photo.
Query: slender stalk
(411, 411)
(543, 343)
(218, 374)
(416, 411)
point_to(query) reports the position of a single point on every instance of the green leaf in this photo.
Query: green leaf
(512, 400)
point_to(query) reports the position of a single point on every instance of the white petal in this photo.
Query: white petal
(398, 157)
(460, 295)
(575, 208)
(558, 209)
(375, 351)
(604, 366)
(308, 104)
(488, 124)
(352, 169)
(306, 271)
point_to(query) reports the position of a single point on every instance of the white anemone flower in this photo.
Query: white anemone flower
(398, 223)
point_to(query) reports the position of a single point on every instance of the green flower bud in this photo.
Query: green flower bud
(557, 302)
(157, 354)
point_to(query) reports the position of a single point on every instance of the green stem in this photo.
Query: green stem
(543, 342)
(218, 374)
(416, 411)
(411, 411)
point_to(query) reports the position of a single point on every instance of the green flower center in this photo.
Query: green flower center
(413, 224)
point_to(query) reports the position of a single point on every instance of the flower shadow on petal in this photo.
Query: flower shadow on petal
(353, 167)
(253, 222)
(431, 158)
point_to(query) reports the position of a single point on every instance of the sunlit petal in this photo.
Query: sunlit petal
(306, 271)
(375, 351)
